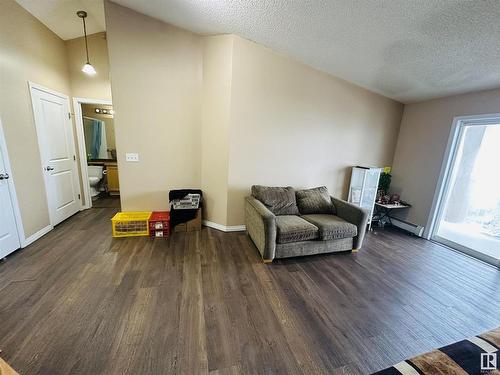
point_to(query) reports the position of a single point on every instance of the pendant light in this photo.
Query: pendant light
(87, 68)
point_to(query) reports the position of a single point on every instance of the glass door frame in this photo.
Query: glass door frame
(440, 197)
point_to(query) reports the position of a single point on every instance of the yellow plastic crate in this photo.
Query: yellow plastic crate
(128, 224)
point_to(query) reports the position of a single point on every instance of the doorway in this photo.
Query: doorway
(97, 150)
(467, 217)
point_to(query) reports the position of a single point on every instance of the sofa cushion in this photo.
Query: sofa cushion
(331, 226)
(279, 200)
(314, 201)
(291, 228)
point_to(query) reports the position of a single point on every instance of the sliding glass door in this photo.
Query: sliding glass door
(468, 213)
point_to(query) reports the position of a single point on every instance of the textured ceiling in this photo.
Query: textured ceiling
(408, 50)
(60, 15)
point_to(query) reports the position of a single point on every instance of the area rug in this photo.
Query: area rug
(477, 355)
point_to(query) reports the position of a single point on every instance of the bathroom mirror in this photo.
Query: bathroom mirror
(99, 133)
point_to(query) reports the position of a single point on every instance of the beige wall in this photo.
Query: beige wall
(219, 113)
(293, 125)
(156, 71)
(28, 52)
(424, 133)
(83, 85)
(216, 101)
(222, 113)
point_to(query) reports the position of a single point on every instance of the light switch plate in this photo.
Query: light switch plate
(132, 156)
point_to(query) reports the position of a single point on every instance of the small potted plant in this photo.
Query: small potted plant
(383, 184)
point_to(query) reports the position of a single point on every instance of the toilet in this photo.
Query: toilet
(95, 178)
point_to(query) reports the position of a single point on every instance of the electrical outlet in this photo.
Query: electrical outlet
(132, 156)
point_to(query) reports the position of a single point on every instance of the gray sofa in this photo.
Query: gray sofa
(284, 222)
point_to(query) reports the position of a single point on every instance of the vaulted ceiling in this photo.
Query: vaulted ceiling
(404, 49)
(60, 15)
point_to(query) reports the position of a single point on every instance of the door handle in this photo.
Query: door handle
(49, 168)
(4, 176)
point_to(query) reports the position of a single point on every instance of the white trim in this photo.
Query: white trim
(224, 228)
(33, 85)
(449, 154)
(80, 140)
(42, 232)
(12, 188)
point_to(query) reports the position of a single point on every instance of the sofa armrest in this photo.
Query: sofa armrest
(261, 226)
(354, 215)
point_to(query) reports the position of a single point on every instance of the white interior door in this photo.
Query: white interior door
(9, 239)
(57, 150)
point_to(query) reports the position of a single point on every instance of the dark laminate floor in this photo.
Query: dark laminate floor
(106, 201)
(79, 302)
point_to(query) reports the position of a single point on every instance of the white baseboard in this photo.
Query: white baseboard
(417, 230)
(42, 232)
(224, 228)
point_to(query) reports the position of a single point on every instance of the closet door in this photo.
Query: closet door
(57, 150)
(9, 239)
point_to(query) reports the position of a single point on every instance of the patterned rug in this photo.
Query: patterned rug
(477, 355)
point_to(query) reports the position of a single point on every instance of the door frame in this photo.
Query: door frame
(445, 174)
(12, 190)
(80, 140)
(41, 146)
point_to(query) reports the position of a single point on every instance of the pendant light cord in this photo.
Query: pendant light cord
(86, 45)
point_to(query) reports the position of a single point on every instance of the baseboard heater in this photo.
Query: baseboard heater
(417, 230)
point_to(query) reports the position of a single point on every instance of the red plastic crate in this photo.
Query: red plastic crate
(159, 224)
(161, 233)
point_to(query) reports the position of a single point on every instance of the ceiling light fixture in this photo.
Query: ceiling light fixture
(87, 68)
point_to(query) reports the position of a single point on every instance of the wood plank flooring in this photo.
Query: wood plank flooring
(106, 201)
(79, 302)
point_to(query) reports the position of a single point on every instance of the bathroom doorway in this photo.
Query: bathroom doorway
(97, 151)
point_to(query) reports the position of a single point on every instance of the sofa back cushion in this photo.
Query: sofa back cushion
(314, 201)
(279, 200)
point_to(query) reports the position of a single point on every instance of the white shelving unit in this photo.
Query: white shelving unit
(363, 188)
